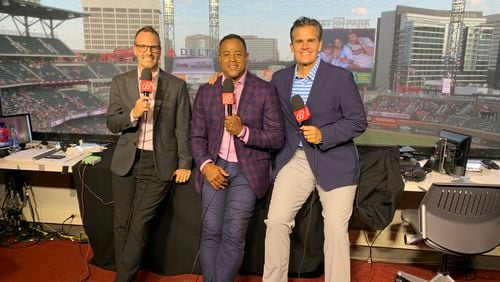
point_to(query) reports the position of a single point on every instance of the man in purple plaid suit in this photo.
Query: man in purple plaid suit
(233, 157)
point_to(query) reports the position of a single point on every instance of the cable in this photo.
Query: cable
(16, 198)
(87, 272)
(71, 217)
(138, 177)
(201, 227)
(208, 205)
(53, 231)
(84, 185)
(139, 197)
(310, 210)
(369, 259)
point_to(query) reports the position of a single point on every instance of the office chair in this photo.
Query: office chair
(456, 219)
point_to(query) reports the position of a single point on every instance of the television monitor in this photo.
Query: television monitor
(453, 151)
(11, 125)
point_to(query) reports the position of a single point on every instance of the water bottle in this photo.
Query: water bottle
(14, 147)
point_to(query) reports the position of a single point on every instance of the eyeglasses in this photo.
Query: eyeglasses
(143, 48)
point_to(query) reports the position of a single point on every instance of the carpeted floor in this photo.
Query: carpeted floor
(63, 260)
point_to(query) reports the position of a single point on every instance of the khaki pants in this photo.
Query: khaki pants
(293, 185)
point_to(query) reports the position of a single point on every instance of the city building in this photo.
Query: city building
(197, 45)
(411, 46)
(494, 21)
(111, 25)
(262, 49)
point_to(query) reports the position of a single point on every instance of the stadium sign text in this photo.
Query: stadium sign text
(205, 52)
(346, 23)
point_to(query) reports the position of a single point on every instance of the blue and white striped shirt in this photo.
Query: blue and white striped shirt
(302, 86)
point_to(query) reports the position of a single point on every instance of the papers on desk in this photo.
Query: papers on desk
(474, 165)
(29, 157)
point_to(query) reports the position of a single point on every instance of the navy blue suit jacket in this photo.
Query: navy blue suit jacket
(337, 110)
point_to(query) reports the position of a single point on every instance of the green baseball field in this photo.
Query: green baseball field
(382, 137)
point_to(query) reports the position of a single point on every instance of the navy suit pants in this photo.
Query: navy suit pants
(225, 215)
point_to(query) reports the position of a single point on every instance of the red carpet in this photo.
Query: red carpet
(63, 260)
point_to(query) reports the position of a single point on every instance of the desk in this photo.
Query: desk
(25, 162)
(51, 183)
(486, 176)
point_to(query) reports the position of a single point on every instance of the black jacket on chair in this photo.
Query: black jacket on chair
(379, 190)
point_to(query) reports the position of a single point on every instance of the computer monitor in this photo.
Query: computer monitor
(11, 125)
(453, 151)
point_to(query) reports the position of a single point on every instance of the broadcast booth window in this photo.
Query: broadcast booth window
(417, 71)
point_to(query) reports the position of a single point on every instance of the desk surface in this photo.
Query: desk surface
(23, 160)
(486, 176)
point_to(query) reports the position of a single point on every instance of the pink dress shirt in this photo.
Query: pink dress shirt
(227, 150)
(145, 141)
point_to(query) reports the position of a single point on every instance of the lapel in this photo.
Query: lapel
(161, 91)
(319, 80)
(247, 88)
(288, 95)
(132, 85)
(218, 107)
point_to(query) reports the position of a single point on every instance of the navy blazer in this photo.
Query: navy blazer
(259, 110)
(337, 110)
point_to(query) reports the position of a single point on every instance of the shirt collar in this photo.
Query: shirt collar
(240, 82)
(312, 73)
(154, 74)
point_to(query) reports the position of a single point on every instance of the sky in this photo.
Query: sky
(264, 18)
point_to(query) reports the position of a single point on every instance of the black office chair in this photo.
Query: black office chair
(456, 219)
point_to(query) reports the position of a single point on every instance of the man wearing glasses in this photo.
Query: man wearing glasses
(152, 150)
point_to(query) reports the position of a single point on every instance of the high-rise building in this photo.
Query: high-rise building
(112, 24)
(197, 45)
(262, 49)
(494, 21)
(411, 45)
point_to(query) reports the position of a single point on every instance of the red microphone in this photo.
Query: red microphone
(146, 85)
(228, 98)
(301, 112)
(146, 82)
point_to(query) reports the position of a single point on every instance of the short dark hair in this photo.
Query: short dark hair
(150, 29)
(233, 36)
(305, 21)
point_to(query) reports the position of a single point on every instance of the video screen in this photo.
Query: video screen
(352, 49)
(15, 126)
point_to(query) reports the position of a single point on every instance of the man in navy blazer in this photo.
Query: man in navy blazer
(232, 152)
(319, 156)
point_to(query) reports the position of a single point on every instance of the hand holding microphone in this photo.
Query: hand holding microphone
(228, 98)
(232, 123)
(143, 104)
(311, 133)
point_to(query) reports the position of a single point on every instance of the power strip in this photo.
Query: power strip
(91, 160)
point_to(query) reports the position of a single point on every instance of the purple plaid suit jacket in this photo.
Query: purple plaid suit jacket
(259, 110)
